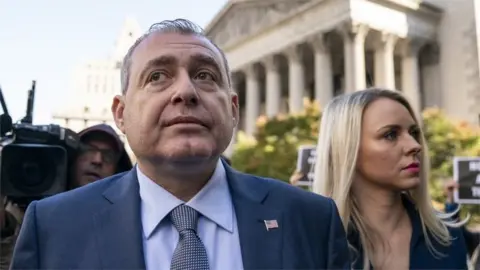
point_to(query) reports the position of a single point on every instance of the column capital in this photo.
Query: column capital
(386, 40)
(319, 42)
(294, 53)
(353, 30)
(250, 70)
(411, 46)
(271, 63)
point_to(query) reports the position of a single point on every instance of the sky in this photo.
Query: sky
(45, 40)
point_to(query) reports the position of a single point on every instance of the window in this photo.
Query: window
(89, 83)
(86, 109)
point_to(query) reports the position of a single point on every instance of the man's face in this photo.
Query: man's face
(97, 159)
(179, 105)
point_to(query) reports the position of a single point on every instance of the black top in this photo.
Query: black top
(455, 255)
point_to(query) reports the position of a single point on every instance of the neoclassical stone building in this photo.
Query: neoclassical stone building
(281, 51)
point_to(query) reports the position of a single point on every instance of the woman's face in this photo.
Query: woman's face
(389, 147)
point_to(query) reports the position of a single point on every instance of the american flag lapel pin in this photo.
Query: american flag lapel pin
(271, 224)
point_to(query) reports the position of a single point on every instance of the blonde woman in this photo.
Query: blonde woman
(372, 160)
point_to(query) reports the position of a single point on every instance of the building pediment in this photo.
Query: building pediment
(424, 7)
(243, 18)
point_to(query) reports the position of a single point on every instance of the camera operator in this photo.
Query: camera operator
(101, 154)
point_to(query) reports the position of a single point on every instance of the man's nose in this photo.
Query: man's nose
(97, 158)
(185, 91)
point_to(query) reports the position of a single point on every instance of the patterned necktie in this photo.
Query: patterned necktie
(190, 252)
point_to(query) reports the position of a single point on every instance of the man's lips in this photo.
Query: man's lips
(93, 174)
(186, 120)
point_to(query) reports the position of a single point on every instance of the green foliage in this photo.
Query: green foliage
(273, 151)
(446, 139)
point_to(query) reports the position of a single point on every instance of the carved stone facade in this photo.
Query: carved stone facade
(323, 48)
(243, 19)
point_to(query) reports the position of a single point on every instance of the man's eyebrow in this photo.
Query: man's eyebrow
(164, 60)
(206, 60)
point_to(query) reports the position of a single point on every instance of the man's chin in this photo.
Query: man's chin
(188, 149)
(87, 179)
(188, 158)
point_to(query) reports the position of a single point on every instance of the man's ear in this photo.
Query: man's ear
(118, 108)
(235, 108)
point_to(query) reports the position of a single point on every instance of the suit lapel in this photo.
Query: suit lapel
(119, 226)
(261, 247)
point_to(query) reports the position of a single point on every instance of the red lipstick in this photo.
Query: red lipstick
(413, 167)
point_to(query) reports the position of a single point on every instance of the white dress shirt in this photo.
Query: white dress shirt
(217, 225)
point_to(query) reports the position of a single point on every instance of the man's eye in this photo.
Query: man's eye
(156, 76)
(205, 76)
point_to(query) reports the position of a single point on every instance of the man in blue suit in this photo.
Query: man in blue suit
(181, 207)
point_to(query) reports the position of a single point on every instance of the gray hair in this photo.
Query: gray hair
(180, 26)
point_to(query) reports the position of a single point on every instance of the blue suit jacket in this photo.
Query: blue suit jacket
(99, 227)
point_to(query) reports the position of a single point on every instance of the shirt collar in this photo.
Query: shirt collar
(213, 201)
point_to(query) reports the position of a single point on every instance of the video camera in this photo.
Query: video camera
(34, 159)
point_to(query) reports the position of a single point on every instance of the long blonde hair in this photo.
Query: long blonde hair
(474, 258)
(337, 150)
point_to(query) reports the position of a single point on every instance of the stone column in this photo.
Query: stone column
(252, 100)
(354, 51)
(384, 61)
(296, 84)
(273, 85)
(411, 73)
(323, 69)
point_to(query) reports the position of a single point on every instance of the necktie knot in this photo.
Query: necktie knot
(184, 217)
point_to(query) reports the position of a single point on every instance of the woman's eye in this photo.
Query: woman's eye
(415, 133)
(204, 76)
(390, 135)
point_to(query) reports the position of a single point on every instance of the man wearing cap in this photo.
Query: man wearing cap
(101, 154)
